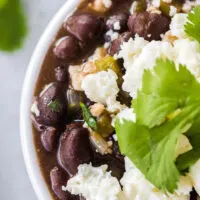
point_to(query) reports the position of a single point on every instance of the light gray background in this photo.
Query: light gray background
(14, 182)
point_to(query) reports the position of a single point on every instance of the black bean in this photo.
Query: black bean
(74, 148)
(85, 27)
(59, 179)
(39, 127)
(49, 139)
(147, 25)
(61, 74)
(67, 48)
(121, 19)
(116, 44)
(52, 105)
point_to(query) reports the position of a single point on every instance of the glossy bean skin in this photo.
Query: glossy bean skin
(67, 48)
(148, 25)
(116, 44)
(49, 139)
(59, 179)
(39, 127)
(49, 116)
(85, 27)
(74, 148)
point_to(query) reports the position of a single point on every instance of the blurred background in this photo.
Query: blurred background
(14, 181)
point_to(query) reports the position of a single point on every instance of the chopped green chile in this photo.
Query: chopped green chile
(105, 128)
(108, 62)
(140, 6)
(89, 119)
(165, 7)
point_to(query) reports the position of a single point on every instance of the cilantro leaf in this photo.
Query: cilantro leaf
(13, 25)
(192, 27)
(163, 91)
(89, 119)
(186, 160)
(55, 105)
(153, 150)
(167, 106)
(2, 3)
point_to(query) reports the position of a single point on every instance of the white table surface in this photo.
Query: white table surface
(14, 181)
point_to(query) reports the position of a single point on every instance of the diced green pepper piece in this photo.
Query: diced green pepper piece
(106, 63)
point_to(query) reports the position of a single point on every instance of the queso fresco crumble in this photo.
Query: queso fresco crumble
(116, 106)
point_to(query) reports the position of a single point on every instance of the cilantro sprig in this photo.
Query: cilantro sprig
(13, 25)
(192, 27)
(150, 142)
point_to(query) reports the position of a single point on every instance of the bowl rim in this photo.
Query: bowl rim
(32, 73)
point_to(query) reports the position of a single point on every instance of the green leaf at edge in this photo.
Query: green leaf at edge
(13, 25)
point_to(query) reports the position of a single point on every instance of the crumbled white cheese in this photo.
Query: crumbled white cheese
(106, 45)
(139, 55)
(34, 108)
(135, 186)
(136, 61)
(107, 3)
(115, 137)
(183, 145)
(187, 7)
(116, 26)
(177, 25)
(131, 49)
(156, 3)
(113, 105)
(102, 87)
(126, 114)
(195, 176)
(187, 53)
(172, 11)
(113, 35)
(94, 183)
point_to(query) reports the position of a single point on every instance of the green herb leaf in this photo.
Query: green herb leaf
(3, 3)
(192, 27)
(13, 25)
(167, 106)
(55, 105)
(153, 150)
(164, 90)
(89, 119)
(187, 159)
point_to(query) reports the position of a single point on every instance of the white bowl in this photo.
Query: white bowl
(32, 74)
